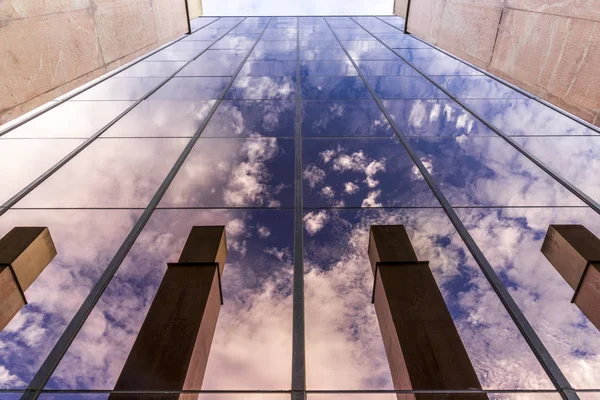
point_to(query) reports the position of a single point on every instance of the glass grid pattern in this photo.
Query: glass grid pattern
(298, 133)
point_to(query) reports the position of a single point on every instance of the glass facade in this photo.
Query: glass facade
(298, 134)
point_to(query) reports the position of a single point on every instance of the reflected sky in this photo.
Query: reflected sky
(576, 158)
(344, 346)
(343, 118)
(23, 160)
(252, 118)
(251, 348)
(256, 172)
(511, 240)
(434, 118)
(487, 171)
(361, 173)
(526, 117)
(85, 241)
(245, 157)
(95, 178)
(72, 119)
(151, 118)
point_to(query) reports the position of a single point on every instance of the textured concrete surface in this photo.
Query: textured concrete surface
(550, 48)
(195, 8)
(53, 46)
(400, 7)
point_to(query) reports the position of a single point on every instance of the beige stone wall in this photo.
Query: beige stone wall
(550, 48)
(49, 47)
(400, 7)
(195, 7)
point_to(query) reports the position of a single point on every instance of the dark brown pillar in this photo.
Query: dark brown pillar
(575, 253)
(172, 347)
(24, 253)
(422, 344)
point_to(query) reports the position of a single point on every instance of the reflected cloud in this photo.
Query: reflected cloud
(361, 172)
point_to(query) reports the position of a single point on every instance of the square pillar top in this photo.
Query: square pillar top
(27, 250)
(390, 243)
(569, 248)
(205, 244)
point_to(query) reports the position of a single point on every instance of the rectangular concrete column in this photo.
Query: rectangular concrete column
(423, 347)
(24, 253)
(172, 347)
(574, 252)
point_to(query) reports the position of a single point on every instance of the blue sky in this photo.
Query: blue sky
(305, 7)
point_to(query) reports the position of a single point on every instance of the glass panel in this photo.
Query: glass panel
(214, 63)
(203, 88)
(120, 89)
(361, 173)
(434, 118)
(526, 117)
(404, 87)
(152, 69)
(79, 119)
(467, 396)
(347, 34)
(144, 396)
(381, 68)
(369, 50)
(266, 54)
(511, 240)
(334, 88)
(321, 53)
(236, 41)
(169, 54)
(327, 68)
(263, 87)
(280, 34)
(251, 347)
(109, 173)
(397, 40)
(434, 62)
(152, 118)
(269, 68)
(208, 34)
(343, 118)
(191, 45)
(235, 173)
(476, 87)
(23, 160)
(344, 349)
(575, 158)
(85, 241)
(487, 171)
(249, 118)
(276, 45)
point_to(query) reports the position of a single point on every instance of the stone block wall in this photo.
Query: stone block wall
(49, 47)
(549, 48)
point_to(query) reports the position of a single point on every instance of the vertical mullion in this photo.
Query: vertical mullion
(40, 179)
(60, 348)
(536, 345)
(298, 339)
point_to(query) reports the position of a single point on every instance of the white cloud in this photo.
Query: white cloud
(314, 221)
(371, 200)
(327, 192)
(350, 187)
(314, 175)
(263, 232)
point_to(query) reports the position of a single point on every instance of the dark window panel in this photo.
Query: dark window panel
(338, 68)
(404, 87)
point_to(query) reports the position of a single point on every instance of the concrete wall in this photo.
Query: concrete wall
(550, 48)
(195, 7)
(48, 47)
(400, 7)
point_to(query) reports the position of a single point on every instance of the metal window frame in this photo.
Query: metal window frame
(538, 348)
(35, 387)
(298, 390)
